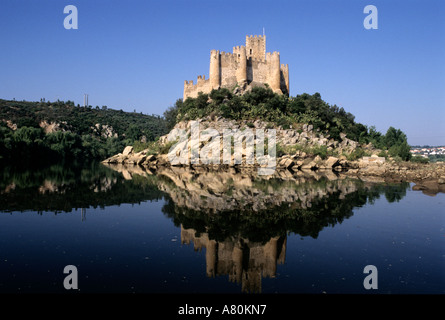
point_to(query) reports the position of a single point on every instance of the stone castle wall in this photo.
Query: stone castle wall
(249, 64)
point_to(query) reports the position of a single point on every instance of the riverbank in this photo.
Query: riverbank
(301, 148)
(428, 178)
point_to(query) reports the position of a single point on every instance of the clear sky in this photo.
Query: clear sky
(136, 54)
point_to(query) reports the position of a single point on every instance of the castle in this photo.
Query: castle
(247, 65)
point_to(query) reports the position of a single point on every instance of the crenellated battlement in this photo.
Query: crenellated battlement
(246, 64)
(256, 36)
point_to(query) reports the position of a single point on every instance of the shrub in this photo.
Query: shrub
(419, 159)
(356, 154)
(321, 151)
(164, 149)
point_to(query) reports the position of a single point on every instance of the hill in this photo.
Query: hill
(283, 112)
(51, 131)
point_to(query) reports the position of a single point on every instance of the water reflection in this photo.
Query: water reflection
(240, 219)
(243, 261)
(60, 188)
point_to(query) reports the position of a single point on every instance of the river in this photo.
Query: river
(197, 231)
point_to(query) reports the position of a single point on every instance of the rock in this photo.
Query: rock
(373, 170)
(128, 150)
(150, 158)
(289, 163)
(162, 160)
(332, 162)
(309, 164)
(285, 162)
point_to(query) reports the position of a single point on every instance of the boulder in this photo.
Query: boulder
(149, 158)
(373, 170)
(332, 162)
(309, 164)
(285, 163)
(128, 150)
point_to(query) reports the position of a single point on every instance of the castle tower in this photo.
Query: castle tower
(256, 47)
(274, 71)
(214, 73)
(211, 254)
(285, 77)
(237, 271)
(241, 72)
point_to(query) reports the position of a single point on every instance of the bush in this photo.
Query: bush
(356, 154)
(321, 151)
(164, 149)
(419, 159)
(383, 154)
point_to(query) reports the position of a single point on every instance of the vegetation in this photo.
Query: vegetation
(82, 133)
(97, 133)
(419, 159)
(63, 188)
(436, 158)
(59, 188)
(280, 110)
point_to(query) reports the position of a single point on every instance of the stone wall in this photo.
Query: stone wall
(229, 66)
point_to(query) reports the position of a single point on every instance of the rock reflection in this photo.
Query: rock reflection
(242, 220)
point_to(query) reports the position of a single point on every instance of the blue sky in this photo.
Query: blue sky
(136, 54)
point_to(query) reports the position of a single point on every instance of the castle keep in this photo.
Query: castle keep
(247, 65)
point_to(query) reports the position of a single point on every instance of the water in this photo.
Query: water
(192, 231)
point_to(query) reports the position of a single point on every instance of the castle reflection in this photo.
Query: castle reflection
(241, 219)
(243, 261)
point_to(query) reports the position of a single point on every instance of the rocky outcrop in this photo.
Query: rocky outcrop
(104, 130)
(296, 139)
(429, 178)
(50, 127)
(10, 124)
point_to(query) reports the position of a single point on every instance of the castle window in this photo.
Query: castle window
(250, 51)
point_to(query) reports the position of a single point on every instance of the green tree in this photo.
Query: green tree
(171, 114)
(133, 132)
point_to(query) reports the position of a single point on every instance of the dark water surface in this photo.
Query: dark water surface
(187, 231)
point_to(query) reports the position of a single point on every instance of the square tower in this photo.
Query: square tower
(256, 47)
